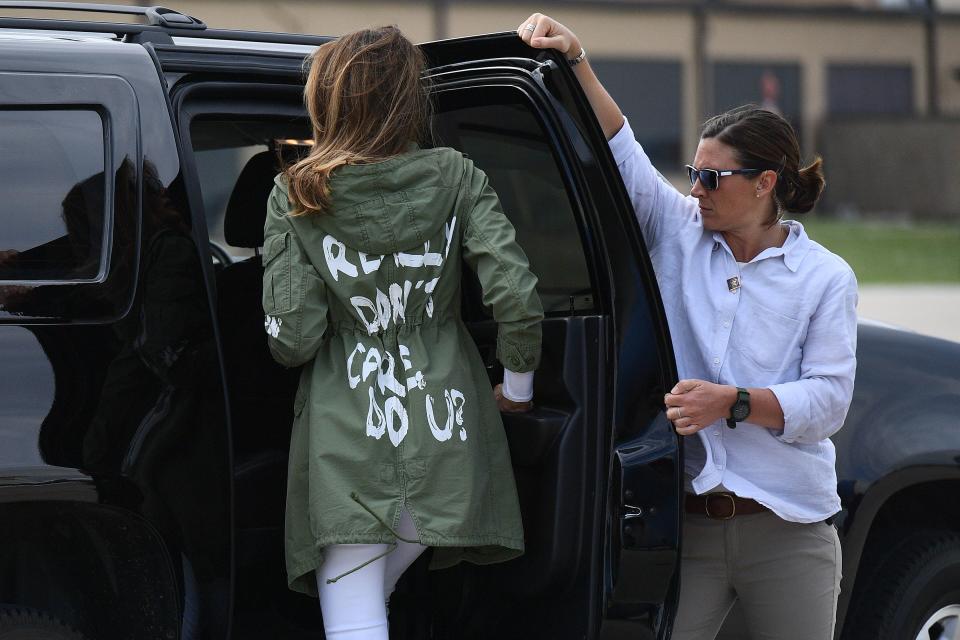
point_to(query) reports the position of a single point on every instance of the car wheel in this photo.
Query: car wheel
(21, 623)
(912, 592)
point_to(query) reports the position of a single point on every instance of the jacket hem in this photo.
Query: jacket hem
(479, 550)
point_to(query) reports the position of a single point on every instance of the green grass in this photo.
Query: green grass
(887, 252)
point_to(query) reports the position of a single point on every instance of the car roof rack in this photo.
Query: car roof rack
(161, 24)
(157, 16)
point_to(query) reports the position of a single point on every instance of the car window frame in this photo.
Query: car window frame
(115, 101)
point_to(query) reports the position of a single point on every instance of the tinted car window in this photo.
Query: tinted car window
(509, 144)
(222, 148)
(52, 198)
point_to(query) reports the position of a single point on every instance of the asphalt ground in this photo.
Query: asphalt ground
(930, 309)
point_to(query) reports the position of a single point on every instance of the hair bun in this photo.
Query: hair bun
(803, 189)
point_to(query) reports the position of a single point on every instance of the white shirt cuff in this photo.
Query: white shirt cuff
(517, 387)
(792, 401)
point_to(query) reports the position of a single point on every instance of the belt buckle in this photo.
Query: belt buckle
(728, 496)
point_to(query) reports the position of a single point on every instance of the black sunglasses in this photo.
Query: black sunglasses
(710, 178)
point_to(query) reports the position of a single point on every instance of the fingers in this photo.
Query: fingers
(506, 406)
(686, 427)
(556, 42)
(547, 33)
(683, 424)
(685, 386)
(544, 28)
(525, 34)
(681, 416)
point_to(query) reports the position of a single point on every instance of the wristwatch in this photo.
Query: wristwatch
(740, 409)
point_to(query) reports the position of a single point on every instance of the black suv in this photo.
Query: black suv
(142, 469)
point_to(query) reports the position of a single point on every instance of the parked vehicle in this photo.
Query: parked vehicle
(142, 466)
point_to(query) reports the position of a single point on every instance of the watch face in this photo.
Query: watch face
(740, 410)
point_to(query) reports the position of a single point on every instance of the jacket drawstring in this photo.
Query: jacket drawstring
(393, 545)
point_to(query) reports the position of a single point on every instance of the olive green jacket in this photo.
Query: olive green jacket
(394, 406)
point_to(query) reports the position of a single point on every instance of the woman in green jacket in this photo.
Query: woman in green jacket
(397, 443)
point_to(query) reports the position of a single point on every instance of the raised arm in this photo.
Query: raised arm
(550, 34)
(661, 210)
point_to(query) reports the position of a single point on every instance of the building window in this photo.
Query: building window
(861, 89)
(53, 201)
(648, 93)
(772, 86)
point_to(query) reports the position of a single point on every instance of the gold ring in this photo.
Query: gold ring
(679, 414)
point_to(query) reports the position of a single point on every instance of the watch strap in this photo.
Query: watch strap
(580, 58)
(742, 396)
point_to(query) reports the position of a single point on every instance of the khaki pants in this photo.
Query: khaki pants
(785, 575)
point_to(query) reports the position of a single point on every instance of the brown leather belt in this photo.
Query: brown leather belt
(721, 505)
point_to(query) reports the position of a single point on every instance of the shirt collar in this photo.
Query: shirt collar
(794, 250)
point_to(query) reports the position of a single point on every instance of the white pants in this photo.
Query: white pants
(354, 607)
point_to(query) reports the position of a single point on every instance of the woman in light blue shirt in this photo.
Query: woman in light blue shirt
(763, 322)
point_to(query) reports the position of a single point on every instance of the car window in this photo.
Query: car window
(509, 144)
(52, 203)
(223, 147)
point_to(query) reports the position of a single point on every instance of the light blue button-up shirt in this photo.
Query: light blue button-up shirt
(790, 326)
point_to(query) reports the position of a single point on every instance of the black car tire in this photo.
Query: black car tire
(21, 623)
(913, 583)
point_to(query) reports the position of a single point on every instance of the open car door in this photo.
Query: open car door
(597, 463)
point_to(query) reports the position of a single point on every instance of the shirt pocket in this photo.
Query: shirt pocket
(277, 278)
(768, 340)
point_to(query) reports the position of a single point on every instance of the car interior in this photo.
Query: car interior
(553, 450)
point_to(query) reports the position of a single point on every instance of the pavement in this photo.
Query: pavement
(930, 309)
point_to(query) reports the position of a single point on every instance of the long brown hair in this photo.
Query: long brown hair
(366, 101)
(762, 139)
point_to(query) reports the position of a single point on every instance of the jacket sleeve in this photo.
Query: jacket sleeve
(294, 294)
(509, 287)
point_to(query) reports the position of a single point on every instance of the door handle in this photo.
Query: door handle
(631, 512)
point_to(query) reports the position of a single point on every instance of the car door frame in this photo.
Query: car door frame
(641, 521)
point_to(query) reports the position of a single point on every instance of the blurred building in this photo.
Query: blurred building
(827, 65)
(873, 85)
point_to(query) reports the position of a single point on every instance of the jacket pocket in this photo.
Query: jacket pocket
(277, 293)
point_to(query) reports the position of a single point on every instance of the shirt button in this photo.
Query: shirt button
(716, 361)
(726, 324)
